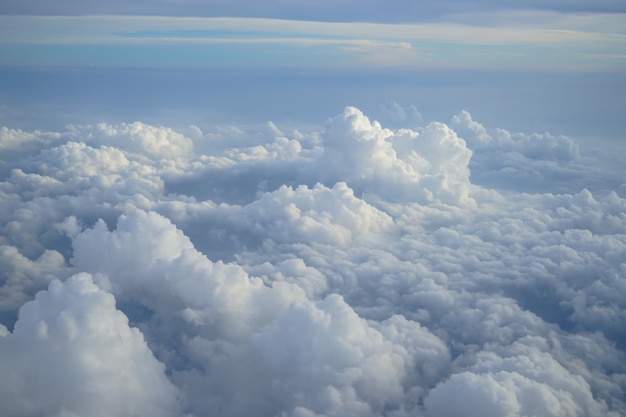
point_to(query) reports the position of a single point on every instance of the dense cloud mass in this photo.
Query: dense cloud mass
(72, 353)
(353, 270)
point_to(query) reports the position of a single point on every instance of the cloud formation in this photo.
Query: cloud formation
(485, 40)
(72, 353)
(429, 270)
(342, 10)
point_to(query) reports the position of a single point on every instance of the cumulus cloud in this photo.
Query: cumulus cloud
(404, 165)
(401, 116)
(355, 269)
(304, 350)
(527, 381)
(139, 138)
(72, 352)
(537, 162)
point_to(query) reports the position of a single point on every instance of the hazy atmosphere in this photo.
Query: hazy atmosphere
(306, 209)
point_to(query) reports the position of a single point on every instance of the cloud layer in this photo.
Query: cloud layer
(343, 10)
(484, 40)
(445, 269)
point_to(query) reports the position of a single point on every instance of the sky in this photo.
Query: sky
(307, 209)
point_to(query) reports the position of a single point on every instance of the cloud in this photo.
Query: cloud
(537, 162)
(72, 353)
(345, 10)
(319, 355)
(400, 116)
(488, 40)
(23, 276)
(350, 269)
(406, 165)
(526, 382)
(529, 27)
(140, 138)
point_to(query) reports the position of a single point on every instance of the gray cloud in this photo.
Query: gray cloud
(346, 10)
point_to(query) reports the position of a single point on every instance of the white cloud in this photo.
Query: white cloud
(533, 27)
(525, 382)
(350, 270)
(14, 139)
(536, 162)
(72, 353)
(24, 276)
(535, 146)
(404, 166)
(572, 40)
(143, 139)
(307, 350)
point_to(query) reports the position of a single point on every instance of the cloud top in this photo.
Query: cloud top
(353, 269)
(72, 353)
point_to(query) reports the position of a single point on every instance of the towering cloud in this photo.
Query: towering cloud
(402, 166)
(352, 270)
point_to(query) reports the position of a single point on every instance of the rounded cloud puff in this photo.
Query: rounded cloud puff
(333, 216)
(137, 137)
(325, 348)
(72, 353)
(306, 350)
(403, 166)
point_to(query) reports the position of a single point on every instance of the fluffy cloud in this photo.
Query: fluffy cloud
(351, 270)
(402, 166)
(306, 351)
(72, 353)
(525, 382)
(23, 275)
(538, 162)
(153, 141)
(396, 114)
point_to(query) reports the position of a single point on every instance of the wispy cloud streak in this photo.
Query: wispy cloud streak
(535, 38)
